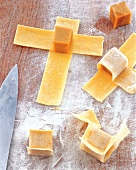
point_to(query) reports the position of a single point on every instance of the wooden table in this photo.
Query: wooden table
(31, 62)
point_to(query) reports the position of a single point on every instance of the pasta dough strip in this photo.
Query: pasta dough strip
(103, 79)
(33, 37)
(129, 50)
(89, 45)
(55, 75)
(100, 85)
(127, 80)
(88, 116)
(43, 39)
(54, 79)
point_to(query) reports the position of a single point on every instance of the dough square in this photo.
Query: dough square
(40, 139)
(97, 138)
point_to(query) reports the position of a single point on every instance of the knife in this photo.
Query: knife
(8, 104)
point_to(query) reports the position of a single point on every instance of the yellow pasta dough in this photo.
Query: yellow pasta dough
(54, 79)
(55, 75)
(40, 142)
(108, 78)
(68, 23)
(127, 80)
(88, 116)
(43, 39)
(114, 143)
(97, 142)
(129, 50)
(89, 45)
(33, 37)
(101, 79)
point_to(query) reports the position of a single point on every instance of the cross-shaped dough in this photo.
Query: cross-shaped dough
(54, 78)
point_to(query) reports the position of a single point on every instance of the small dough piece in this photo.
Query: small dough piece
(40, 142)
(89, 117)
(127, 80)
(97, 140)
(120, 14)
(129, 50)
(100, 85)
(62, 39)
(122, 133)
(33, 37)
(114, 61)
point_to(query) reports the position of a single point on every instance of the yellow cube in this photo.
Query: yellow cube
(120, 14)
(62, 39)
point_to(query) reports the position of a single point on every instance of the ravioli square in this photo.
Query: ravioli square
(40, 139)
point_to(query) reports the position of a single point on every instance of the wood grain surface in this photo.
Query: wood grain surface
(31, 62)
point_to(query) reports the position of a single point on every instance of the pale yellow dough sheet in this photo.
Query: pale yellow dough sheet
(127, 80)
(54, 79)
(89, 117)
(97, 142)
(88, 45)
(40, 142)
(103, 78)
(129, 50)
(55, 75)
(100, 85)
(33, 37)
(122, 133)
(43, 39)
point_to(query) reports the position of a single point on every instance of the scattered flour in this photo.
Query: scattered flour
(111, 112)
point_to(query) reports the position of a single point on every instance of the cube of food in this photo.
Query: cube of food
(120, 14)
(40, 142)
(62, 39)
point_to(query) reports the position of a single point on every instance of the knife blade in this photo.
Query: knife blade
(8, 104)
